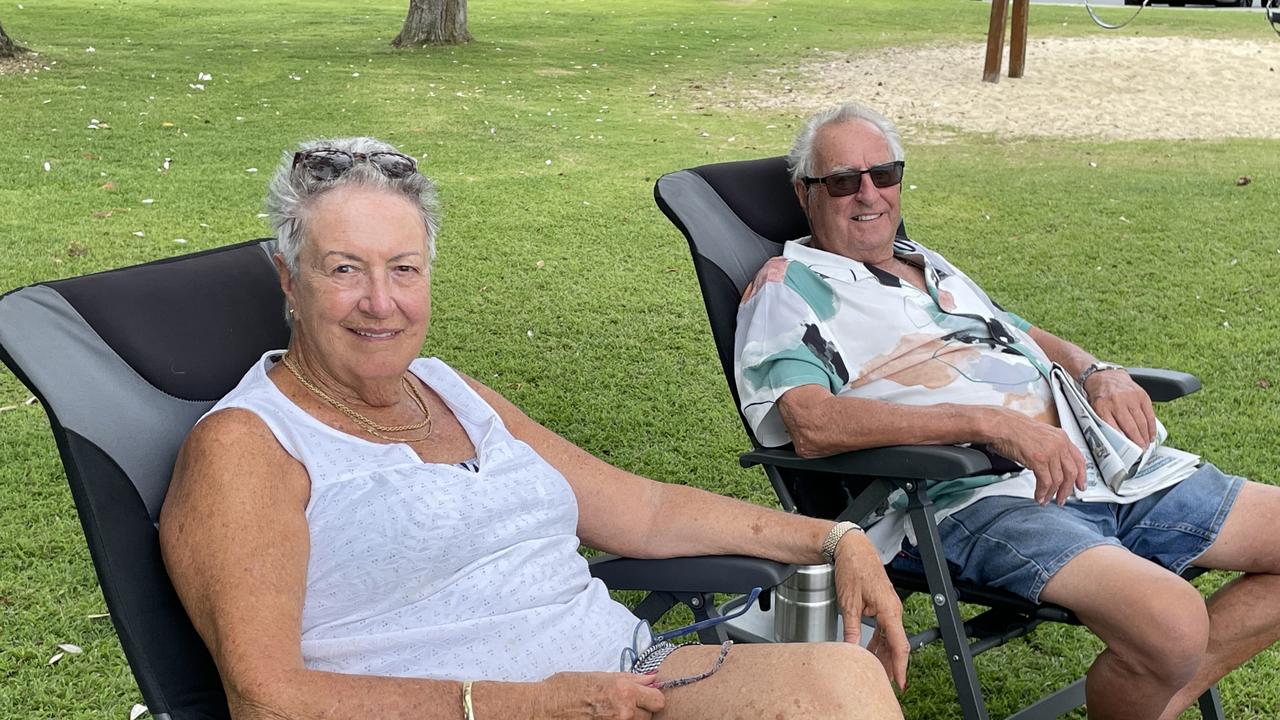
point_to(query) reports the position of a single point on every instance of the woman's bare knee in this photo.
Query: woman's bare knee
(849, 682)
(797, 681)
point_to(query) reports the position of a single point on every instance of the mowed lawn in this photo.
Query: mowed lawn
(149, 129)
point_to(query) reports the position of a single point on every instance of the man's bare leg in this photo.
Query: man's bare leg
(1244, 616)
(1153, 622)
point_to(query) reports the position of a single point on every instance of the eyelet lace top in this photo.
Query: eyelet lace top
(434, 570)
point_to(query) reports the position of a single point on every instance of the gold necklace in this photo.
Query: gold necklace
(373, 428)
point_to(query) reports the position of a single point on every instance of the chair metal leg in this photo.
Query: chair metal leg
(943, 597)
(1211, 704)
(1054, 705)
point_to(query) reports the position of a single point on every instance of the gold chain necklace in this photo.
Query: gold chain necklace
(373, 428)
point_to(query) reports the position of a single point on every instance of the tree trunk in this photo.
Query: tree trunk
(434, 22)
(8, 48)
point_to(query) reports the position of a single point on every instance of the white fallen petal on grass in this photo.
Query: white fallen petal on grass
(57, 657)
(204, 77)
(139, 233)
(180, 241)
(70, 649)
(196, 86)
(137, 711)
(251, 170)
(90, 49)
(147, 201)
(98, 616)
(47, 167)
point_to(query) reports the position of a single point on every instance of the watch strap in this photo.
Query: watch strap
(833, 539)
(1095, 367)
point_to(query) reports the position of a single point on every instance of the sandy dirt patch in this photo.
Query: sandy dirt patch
(1112, 88)
(20, 64)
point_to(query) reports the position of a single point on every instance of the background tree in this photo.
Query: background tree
(8, 48)
(434, 22)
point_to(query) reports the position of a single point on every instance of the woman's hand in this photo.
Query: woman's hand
(863, 590)
(599, 696)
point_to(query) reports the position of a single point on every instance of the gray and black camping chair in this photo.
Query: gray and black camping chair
(737, 215)
(124, 362)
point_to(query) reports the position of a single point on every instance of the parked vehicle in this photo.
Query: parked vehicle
(1181, 3)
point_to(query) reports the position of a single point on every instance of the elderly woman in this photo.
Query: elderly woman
(359, 532)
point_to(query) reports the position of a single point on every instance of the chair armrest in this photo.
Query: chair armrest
(911, 462)
(711, 573)
(1165, 385)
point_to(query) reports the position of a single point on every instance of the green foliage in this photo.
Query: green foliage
(558, 281)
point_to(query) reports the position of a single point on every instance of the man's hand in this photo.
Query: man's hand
(599, 696)
(1123, 404)
(862, 589)
(1047, 452)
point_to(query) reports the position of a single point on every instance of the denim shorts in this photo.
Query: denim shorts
(1016, 545)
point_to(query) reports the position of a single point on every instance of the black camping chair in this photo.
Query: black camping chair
(737, 215)
(124, 362)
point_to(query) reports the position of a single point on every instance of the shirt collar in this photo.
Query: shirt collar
(830, 264)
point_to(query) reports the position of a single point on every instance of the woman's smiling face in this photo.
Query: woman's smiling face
(362, 297)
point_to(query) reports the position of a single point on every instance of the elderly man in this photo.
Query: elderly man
(856, 338)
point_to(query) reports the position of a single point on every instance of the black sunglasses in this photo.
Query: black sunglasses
(330, 164)
(849, 181)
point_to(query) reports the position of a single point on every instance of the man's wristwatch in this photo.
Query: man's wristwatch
(1096, 367)
(833, 539)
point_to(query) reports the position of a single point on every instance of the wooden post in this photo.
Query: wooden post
(1018, 38)
(995, 41)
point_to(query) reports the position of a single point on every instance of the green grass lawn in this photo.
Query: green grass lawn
(558, 281)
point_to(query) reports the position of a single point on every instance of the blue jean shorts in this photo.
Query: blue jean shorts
(1016, 545)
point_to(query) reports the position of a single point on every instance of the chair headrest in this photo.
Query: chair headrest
(760, 193)
(129, 359)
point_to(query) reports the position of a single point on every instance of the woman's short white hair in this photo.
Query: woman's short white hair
(800, 160)
(291, 193)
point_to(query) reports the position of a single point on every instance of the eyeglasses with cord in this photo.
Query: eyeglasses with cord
(848, 182)
(331, 163)
(631, 654)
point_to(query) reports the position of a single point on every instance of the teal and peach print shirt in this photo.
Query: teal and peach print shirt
(816, 318)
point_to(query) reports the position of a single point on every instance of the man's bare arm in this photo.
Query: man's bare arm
(821, 424)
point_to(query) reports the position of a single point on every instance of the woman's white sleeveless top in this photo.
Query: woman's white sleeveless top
(429, 570)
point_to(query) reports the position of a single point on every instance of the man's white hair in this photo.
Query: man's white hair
(801, 160)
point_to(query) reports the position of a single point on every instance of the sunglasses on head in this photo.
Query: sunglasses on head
(330, 164)
(849, 181)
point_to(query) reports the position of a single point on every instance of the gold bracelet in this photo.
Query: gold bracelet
(468, 712)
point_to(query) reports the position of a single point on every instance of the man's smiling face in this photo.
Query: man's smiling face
(860, 226)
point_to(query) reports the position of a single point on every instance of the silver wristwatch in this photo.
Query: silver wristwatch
(1095, 367)
(833, 539)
